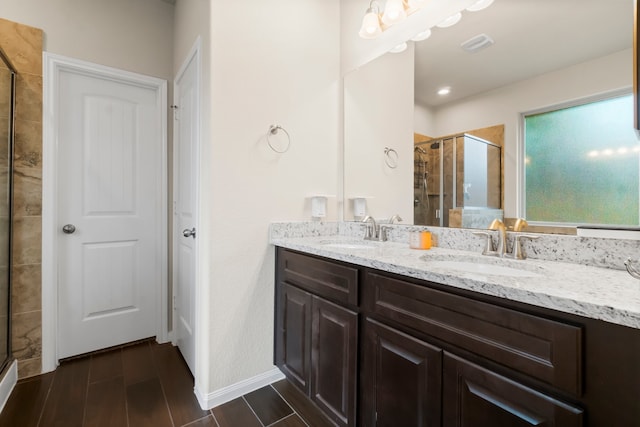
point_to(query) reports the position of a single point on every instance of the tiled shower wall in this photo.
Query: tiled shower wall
(23, 46)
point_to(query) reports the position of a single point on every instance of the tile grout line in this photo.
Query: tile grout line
(162, 387)
(86, 391)
(44, 402)
(252, 411)
(214, 417)
(290, 406)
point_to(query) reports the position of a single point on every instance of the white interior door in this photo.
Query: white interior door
(185, 198)
(109, 180)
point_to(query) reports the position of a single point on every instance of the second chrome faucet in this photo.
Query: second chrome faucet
(375, 231)
(502, 250)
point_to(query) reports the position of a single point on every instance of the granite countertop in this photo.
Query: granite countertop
(599, 293)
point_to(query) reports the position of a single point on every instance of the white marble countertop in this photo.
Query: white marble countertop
(598, 293)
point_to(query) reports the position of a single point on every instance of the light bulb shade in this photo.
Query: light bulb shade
(423, 35)
(450, 21)
(393, 12)
(479, 5)
(370, 25)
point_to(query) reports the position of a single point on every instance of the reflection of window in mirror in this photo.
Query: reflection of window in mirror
(582, 164)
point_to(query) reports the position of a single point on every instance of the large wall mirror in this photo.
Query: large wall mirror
(7, 95)
(543, 54)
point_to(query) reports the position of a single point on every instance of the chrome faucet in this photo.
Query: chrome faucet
(372, 230)
(502, 237)
(395, 218)
(502, 251)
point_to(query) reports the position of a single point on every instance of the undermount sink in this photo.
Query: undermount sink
(349, 245)
(485, 266)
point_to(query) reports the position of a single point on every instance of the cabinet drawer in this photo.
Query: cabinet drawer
(544, 349)
(324, 278)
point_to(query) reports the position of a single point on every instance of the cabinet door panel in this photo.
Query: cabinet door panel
(476, 397)
(293, 355)
(334, 360)
(401, 379)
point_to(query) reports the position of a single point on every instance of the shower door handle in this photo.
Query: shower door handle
(69, 229)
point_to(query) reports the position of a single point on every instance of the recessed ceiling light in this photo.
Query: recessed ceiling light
(444, 91)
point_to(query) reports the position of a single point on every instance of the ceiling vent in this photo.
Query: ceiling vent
(477, 43)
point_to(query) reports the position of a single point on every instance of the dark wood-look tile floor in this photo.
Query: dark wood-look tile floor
(145, 384)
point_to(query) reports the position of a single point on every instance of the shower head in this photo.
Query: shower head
(435, 145)
(419, 150)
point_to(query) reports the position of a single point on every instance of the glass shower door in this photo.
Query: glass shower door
(7, 92)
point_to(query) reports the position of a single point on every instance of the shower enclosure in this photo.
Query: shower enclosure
(7, 97)
(457, 182)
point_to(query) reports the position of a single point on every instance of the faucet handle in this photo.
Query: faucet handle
(517, 252)
(382, 233)
(488, 247)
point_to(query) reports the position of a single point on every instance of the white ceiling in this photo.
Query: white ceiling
(531, 37)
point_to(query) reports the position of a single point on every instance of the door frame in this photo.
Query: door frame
(194, 56)
(53, 64)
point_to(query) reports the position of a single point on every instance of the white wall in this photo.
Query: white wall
(275, 62)
(378, 107)
(133, 35)
(505, 105)
(424, 120)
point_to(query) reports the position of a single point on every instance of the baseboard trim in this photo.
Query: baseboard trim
(226, 394)
(7, 383)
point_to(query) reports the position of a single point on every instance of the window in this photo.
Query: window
(582, 164)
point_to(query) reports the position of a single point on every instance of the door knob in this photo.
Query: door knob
(189, 233)
(68, 229)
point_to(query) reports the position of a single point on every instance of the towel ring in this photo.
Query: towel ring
(391, 157)
(273, 130)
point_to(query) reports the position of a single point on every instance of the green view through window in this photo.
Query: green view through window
(581, 164)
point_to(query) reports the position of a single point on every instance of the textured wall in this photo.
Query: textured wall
(23, 46)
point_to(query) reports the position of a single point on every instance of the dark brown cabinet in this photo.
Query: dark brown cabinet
(316, 342)
(334, 355)
(294, 329)
(476, 397)
(401, 379)
(371, 348)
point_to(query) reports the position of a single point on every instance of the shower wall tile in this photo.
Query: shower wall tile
(27, 193)
(29, 96)
(26, 341)
(29, 367)
(28, 248)
(23, 46)
(26, 288)
(28, 144)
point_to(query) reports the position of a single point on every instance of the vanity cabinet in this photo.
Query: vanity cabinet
(433, 355)
(401, 379)
(316, 342)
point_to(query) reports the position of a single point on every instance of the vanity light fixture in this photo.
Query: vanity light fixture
(377, 19)
(371, 23)
(393, 12)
